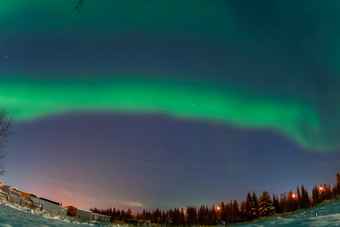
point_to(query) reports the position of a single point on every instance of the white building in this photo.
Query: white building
(49, 206)
(84, 215)
(100, 217)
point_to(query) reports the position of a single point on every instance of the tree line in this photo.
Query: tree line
(253, 207)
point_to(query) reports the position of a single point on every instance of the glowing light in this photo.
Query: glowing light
(218, 208)
(293, 196)
(26, 100)
(321, 188)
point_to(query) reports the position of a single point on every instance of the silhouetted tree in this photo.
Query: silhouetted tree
(212, 216)
(316, 195)
(156, 216)
(326, 192)
(203, 215)
(191, 215)
(248, 208)
(255, 206)
(292, 202)
(235, 212)
(181, 217)
(283, 202)
(226, 213)
(243, 211)
(276, 204)
(305, 202)
(337, 187)
(299, 197)
(251, 207)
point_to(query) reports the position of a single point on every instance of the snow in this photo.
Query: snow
(12, 215)
(328, 215)
(16, 216)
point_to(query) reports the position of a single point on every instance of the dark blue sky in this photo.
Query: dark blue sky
(269, 53)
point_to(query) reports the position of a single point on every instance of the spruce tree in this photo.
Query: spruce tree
(255, 206)
(283, 202)
(292, 203)
(248, 208)
(305, 202)
(235, 212)
(276, 204)
(243, 211)
(337, 184)
(266, 207)
(299, 198)
(315, 195)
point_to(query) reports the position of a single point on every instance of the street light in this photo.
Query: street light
(218, 208)
(293, 196)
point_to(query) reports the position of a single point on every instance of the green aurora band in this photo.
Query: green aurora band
(31, 99)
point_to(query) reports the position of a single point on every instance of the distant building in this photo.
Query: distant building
(84, 215)
(49, 206)
(16, 196)
(71, 211)
(4, 191)
(80, 214)
(100, 217)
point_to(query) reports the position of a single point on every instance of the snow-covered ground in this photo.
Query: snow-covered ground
(16, 216)
(328, 215)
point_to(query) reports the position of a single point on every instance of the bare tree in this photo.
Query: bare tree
(80, 3)
(78, 7)
(5, 124)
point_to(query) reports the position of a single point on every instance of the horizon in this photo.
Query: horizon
(134, 212)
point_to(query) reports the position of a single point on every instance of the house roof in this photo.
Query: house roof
(50, 201)
(84, 210)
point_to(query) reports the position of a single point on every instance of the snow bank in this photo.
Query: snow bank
(328, 215)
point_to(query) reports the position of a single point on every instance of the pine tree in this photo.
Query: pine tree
(292, 203)
(251, 207)
(213, 216)
(337, 184)
(299, 198)
(222, 214)
(191, 215)
(305, 202)
(276, 204)
(316, 195)
(266, 207)
(182, 217)
(248, 207)
(283, 202)
(327, 191)
(228, 212)
(255, 206)
(235, 212)
(243, 211)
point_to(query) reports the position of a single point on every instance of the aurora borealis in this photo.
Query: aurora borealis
(165, 87)
(184, 100)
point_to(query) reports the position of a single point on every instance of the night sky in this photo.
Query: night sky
(169, 103)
